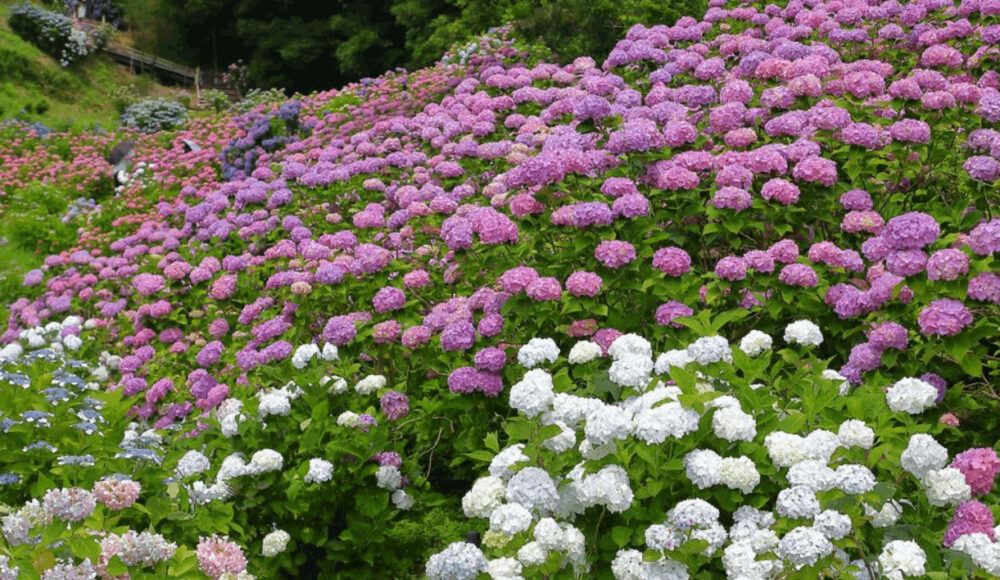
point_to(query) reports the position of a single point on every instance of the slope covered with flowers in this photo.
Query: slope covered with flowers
(832, 163)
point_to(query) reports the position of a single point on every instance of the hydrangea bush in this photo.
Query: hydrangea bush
(54, 33)
(154, 114)
(748, 461)
(483, 242)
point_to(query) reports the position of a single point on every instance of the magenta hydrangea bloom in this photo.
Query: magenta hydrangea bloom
(394, 405)
(888, 335)
(911, 231)
(148, 284)
(458, 335)
(984, 239)
(944, 317)
(416, 336)
(542, 289)
(604, 337)
(864, 357)
(798, 275)
(614, 253)
(388, 298)
(672, 261)
(985, 287)
(971, 517)
(490, 359)
(517, 279)
(731, 268)
(947, 264)
(582, 283)
(667, 312)
(980, 467)
(218, 556)
(780, 190)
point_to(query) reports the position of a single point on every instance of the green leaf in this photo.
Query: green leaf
(491, 442)
(621, 535)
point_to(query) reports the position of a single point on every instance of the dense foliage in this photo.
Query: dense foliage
(306, 46)
(722, 305)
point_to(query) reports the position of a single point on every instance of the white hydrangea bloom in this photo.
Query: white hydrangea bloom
(855, 479)
(533, 394)
(854, 433)
(710, 349)
(740, 561)
(571, 409)
(607, 424)
(804, 546)
(665, 569)
(693, 513)
(983, 551)
(337, 384)
(885, 517)
(562, 442)
(388, 477)
(803, 332)
(232, 467)
(584, 352)
(532, 554)
(901, 558)
(329, 352)
(832, 524)
(402, 500)
(459, 561)
(946, 487)
(504, 569)
(911, 396)
(501, 463)
(732, 424)
(797, 502)
(755, 343)
(663, 537)
(820, 444)
(303, 355)
(265, 460)
(370, 384)
(273, 402)
(486, 495)
(348, 419)
(627, 565)
(739, 473)
(812, 474)
(549, 535)
(785, 449)
(631, 371)
(672, 358)
(533, 488)
(574, 544)
(922, 454)
(538, 351)
(628, 345)
(703, 467)
(320, 471)
(72, 342)
(193, 463)
(609, 487)
(668, 420)
(510, 519)
(275, 543)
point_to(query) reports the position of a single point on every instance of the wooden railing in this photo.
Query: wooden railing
(132, 57)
